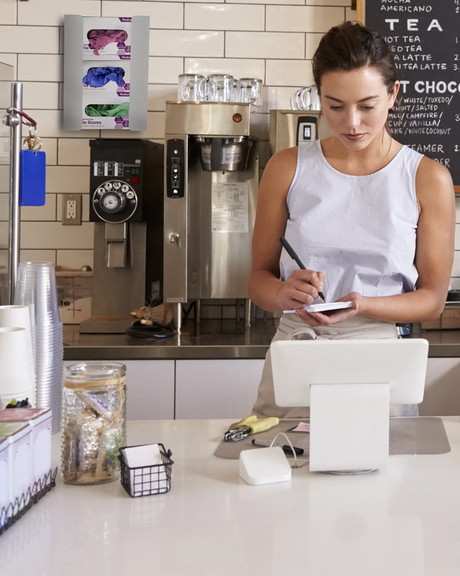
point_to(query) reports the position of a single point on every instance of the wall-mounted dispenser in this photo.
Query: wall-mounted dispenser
(105, 73)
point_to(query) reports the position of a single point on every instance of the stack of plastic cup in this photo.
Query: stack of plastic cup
(17, 373)
(36, 288)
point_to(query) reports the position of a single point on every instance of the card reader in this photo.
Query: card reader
(306, 129)
(264, 466)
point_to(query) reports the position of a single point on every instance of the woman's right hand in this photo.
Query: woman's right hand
(300, 289)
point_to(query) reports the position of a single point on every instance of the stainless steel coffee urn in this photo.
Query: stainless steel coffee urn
(126, 206)
(211, 183)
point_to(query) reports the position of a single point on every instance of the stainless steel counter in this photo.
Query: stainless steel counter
(443, 343)
(215, 339)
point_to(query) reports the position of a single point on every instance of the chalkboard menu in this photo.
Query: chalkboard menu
(425, 36)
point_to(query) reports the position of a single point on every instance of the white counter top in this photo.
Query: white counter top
(404, 520)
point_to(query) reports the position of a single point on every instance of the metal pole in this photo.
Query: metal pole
(15, 122)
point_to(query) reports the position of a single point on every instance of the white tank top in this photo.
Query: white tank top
(359, 230)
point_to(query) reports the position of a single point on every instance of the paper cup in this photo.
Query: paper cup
(17, 374)
(17, 316)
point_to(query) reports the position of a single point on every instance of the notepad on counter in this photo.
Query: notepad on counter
(324, 307)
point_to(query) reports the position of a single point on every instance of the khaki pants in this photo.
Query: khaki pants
(291, 327)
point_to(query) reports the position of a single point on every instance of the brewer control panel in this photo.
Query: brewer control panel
(175, 158)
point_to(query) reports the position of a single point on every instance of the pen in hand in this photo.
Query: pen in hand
(290, 250)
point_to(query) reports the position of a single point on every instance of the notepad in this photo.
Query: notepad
(325, 307)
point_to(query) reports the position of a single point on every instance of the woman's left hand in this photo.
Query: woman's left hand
(335, 316)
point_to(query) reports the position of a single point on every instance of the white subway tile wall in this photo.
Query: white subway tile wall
(269, 39)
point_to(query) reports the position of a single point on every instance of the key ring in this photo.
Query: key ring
(32, 141)
(26, 119)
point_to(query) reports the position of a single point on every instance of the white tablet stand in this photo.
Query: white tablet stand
(349, 385)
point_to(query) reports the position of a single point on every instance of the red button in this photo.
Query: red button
(135, 180)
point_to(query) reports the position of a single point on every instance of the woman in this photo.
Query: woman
(372, 220)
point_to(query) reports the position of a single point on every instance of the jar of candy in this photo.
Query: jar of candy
(93, 422)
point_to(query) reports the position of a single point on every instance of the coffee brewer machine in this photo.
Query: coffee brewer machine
(211, 183)
(126, 206)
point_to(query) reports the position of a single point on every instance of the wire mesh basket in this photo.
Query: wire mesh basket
(12, 512)
(147, 480)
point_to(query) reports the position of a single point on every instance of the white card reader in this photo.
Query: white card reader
(264, 466)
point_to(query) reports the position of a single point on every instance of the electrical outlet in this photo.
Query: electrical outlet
(71, 209)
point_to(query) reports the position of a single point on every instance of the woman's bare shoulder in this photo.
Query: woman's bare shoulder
(283, 158)
(279, 171)
(433, 180)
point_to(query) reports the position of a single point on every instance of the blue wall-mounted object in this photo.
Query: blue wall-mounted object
(32, 178)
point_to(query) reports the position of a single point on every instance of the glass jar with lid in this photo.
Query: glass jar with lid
(93, 422)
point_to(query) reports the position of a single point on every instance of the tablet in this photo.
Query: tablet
(325, 307)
